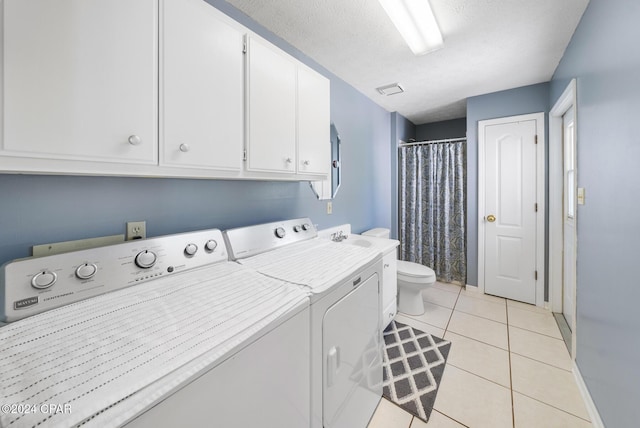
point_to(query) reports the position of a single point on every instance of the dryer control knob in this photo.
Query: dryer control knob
(280, 232)
(306, 226)
(86, 271)
(146, 259)
(210, 245)
(297, 228)
(190, 249)
(44, 279)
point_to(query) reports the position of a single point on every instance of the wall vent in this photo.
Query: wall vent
(391, 89)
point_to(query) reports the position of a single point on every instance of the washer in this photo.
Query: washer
(160, 332)
(343, 282)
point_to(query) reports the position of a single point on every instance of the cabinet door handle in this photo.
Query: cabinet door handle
(288, 160)
(386, 265)
(184, 148)
(135, 140)
(306, 163)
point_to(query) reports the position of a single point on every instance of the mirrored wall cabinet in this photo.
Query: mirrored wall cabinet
(327, 189)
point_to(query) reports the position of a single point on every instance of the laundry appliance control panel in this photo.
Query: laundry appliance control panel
(248, 241)
(33, 285)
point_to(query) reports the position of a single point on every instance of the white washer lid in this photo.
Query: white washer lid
(415, 270)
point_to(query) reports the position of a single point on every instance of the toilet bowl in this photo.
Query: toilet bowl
(413, 278)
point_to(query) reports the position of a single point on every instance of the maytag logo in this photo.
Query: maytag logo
(25, 303)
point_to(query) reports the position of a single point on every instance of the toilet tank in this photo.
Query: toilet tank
(378, 232)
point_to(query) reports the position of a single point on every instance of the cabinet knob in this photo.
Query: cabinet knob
(135, 140)
(288, 160)
(184, 148)
(306, 163)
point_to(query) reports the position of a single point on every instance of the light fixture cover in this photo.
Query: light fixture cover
(416, 23)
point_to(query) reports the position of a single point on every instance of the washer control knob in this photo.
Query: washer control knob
(190, 249)
(280, 232)
(306, 226)
(297, 228)
(210, 245)
(146, 259)
(86, 271)
(44, 279)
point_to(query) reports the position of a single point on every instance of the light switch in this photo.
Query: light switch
(329, 207)
(580, 195)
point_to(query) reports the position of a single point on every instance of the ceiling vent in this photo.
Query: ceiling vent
(392, 89)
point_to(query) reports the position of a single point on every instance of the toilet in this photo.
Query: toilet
(412, 279)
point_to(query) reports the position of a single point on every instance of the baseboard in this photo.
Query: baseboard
(596, 421)
(473, 288)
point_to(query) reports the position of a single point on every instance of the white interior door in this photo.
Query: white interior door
(510, 209)
(569, 217)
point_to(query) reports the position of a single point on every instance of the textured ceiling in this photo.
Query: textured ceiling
(489, 45)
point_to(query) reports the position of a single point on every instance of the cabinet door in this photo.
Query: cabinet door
(389, 287)
(202, 82)
(271, 114)
(314, 144)
(80, 79)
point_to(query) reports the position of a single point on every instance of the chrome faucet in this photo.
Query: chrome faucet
(338, 236)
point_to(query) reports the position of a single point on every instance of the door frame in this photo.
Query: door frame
(540, 196)
(567, 100)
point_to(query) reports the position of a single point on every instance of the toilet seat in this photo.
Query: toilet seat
(415, 272)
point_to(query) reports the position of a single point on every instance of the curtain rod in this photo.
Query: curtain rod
(417, 143)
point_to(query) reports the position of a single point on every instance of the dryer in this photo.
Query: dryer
(345, 335)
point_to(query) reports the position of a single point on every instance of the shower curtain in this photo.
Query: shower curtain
(433, 207)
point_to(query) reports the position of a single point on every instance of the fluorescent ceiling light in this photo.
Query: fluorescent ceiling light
(416, 23)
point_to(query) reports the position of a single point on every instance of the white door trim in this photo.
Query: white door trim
(540, 195)
(567, 100)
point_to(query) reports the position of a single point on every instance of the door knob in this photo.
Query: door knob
(491, 218)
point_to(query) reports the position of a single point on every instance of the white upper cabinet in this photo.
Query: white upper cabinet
(158, 88)
(271, 108)
(287, 114)
(79, 80)
(314, 148)
(201, 114)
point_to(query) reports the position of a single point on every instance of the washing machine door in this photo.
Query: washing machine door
(352, 353)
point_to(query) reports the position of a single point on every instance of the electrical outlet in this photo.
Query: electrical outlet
(329, 207)
(136, 230)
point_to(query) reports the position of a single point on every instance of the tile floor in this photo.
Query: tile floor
(508, 366)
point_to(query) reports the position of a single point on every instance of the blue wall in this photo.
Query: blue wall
(453, 128)
(42, 209)
(401, 129)
(604, 57)
(525, 100)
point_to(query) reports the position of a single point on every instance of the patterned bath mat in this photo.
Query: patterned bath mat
(413, 366)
